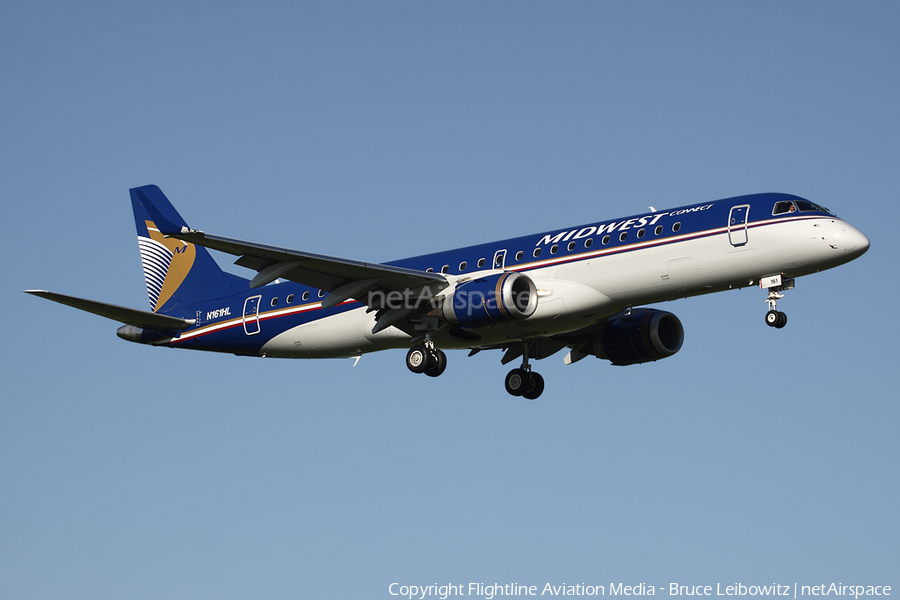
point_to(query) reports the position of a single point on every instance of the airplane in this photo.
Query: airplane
(582, 288)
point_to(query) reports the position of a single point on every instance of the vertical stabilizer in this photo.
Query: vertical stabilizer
(177, 273)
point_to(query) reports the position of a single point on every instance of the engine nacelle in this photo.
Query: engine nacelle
(493, 299)
(643, 336)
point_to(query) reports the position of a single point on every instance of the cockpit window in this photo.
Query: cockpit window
(807, 206)
(785, 206)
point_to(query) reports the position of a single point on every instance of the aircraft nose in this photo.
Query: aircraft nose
(855, 241)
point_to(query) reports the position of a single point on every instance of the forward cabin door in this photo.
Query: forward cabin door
(737, 224)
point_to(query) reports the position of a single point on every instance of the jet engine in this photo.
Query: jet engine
(493, 299)
(642, 336)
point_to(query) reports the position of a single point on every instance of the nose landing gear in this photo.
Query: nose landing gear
(775, 285)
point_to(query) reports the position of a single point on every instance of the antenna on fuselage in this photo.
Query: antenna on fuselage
(652, 209)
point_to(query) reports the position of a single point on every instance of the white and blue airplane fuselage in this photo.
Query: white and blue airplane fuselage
(532, 296)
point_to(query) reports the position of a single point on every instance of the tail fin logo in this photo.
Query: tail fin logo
(166, 263)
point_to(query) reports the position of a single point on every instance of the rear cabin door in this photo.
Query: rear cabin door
(737, 224)
(251, 315)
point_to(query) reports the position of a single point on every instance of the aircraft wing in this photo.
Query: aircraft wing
(342, 278)
(129, 316)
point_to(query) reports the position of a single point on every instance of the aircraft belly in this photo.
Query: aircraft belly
(338, 335)
(508, 332)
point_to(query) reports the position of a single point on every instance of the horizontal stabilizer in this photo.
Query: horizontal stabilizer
(129, 316)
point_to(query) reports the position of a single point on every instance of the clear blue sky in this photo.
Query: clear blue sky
(381, 130)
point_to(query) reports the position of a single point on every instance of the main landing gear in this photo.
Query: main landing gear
(425, 358)
(775, 285)
(524, 382)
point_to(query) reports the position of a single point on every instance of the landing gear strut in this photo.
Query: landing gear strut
(775, 285)
(437, 364)
(523, 381)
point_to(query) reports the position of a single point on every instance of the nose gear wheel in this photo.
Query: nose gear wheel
(776, 319)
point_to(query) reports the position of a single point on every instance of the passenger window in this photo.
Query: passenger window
(605, 240)
(785, 206)
(623, 236)
(571, 246)
(676, 226)
(588, 242)
(658, 229)
(462, 266)
(537, 252)
(429, 270)
(290, 298)
(305, 296)
(321, 293)
(480, 262)
(519, 255)
(640, 233)
(445, 268)
(274, 301)
(553, 249)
